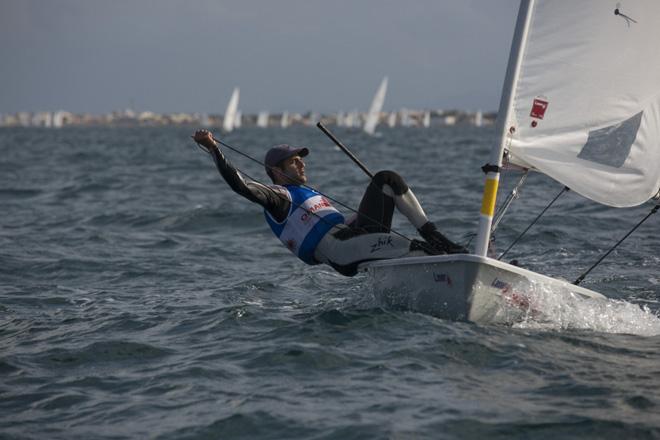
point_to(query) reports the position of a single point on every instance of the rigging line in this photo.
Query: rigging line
(565, 189)
(513, 195)
(581, 277)
(392, 231)
(501, 211)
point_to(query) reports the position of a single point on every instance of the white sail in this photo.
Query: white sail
(262, 119)
(391, 120)
(585, 108)
(426, 119)
(230, 114)
(376, 106)
(478, 119)
(284, 122)
(58, 119)
(406, 120)
(238, 121)
(352, 119)
(340, 119)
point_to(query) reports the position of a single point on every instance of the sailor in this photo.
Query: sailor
(314, 230)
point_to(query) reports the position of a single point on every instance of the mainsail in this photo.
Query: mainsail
(376, 106)
(581, 101)
(230, 114)
(585, 109)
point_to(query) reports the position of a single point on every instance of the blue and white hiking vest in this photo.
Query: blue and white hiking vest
(310, 217)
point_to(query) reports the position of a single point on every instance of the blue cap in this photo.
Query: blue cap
(280, 152)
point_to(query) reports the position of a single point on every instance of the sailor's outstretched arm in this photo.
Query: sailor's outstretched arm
(274, 201)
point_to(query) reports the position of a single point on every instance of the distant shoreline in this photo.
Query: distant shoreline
(404, 118)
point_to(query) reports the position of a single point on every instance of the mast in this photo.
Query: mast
(506, 102)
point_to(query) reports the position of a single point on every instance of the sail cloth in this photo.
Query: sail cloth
(586, 107)
(229, 121)
(376, 106)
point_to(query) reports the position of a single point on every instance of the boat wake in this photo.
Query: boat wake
(560, 310)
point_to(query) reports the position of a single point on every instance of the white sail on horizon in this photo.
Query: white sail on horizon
(594, 126)
(238, 121)
(262, 119)
(391, 120)
(376, 107)
(229, 119)
(426, 119)
(284, 122)
(478, 119)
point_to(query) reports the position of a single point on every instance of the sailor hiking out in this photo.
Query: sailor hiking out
(314, 230)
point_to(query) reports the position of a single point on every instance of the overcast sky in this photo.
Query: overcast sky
(298, 55)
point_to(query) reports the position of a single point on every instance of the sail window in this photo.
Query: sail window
(611, 145)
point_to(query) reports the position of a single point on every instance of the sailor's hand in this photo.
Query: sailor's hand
(204, 138)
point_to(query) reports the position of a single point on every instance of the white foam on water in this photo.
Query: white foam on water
(559, 310)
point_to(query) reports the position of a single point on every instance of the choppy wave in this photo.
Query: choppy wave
(141, 298)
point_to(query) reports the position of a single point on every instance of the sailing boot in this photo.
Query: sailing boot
(439, 242)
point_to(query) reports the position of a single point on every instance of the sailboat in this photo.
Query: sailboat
(229, 120)
(376, 107)
(426, 119)
(581, 104)
(284, 121)
(238, 120)
(478, 119)
(391, 120)
(262, 119)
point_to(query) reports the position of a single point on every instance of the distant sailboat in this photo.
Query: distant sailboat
(341, 119)
(406, 120)
(376, 106)
(284, 122)
(426, 120)
(478, 119)
(313, 118)
(391, 120)
(262, 119)
(238, 121)
(352, 119)
(230, 114)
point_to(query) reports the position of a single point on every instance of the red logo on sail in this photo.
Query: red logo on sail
(538, 108)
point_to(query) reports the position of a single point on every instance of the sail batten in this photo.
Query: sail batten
(585, 109)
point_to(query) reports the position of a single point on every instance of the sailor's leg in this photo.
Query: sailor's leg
(389, 186)
(345, 254)
(386, 191)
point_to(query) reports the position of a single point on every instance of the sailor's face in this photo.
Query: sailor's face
(293, 169)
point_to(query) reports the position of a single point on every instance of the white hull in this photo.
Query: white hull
(464, 287)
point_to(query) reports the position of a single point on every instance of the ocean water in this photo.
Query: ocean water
(141, 298)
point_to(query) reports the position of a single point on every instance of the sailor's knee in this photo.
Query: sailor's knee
(392, 179)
